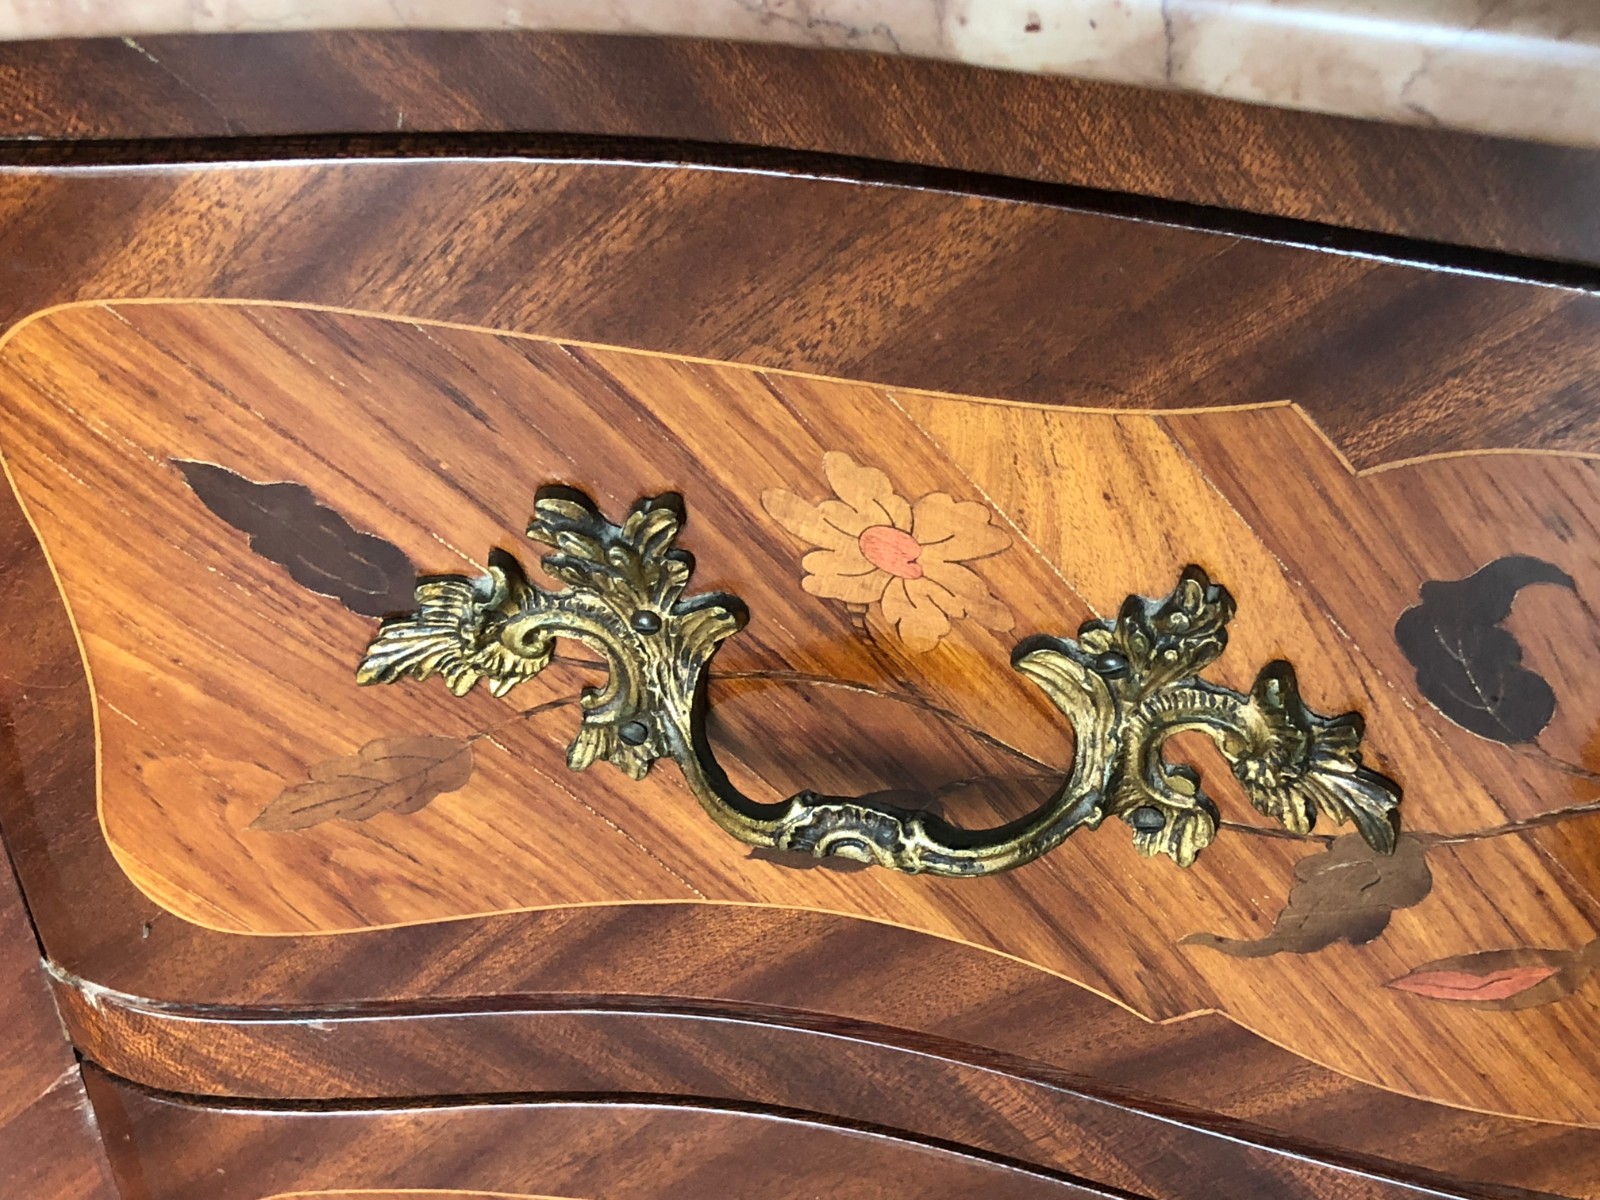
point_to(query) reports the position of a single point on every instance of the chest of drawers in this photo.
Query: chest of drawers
(1177, 631)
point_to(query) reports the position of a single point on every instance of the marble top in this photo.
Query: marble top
(1523, 68)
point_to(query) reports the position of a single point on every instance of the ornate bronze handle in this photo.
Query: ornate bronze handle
(1126, 686)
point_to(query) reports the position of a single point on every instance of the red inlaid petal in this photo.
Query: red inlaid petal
(1466, 985)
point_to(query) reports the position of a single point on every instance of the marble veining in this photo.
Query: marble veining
(1521, 68)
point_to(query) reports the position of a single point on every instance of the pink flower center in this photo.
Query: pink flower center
(892, 550)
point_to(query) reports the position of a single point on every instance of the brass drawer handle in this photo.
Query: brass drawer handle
(1126, 686)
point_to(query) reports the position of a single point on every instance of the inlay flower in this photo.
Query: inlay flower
(898, 562)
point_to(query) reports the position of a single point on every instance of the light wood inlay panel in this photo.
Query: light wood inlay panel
(220, 681)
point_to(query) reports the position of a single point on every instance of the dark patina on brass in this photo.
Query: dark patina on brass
(1126, 685)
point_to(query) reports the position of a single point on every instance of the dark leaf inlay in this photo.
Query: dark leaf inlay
(1468, 667)
(1345, 895)
(318, 547)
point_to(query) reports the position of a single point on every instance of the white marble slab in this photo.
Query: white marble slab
(1524, 68)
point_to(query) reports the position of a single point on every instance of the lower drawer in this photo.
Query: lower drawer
(344, 1074)
(166, 1149)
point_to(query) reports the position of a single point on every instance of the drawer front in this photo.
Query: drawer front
(531, 1151)
(239, 472)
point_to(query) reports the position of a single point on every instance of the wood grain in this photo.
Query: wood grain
(931, 1088)
(277, 394)
(451, 1194)
(1427, 184)
(918, 288)
(608, 1148)
(49, 1144)
(442, 1194)
(1029, 301)
(165, 1149)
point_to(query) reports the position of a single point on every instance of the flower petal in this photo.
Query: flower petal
(846, 519)
(843, 575)
(896, 604)
(867, 490)
(910, 606)
(804, 520)
(953, 530)
(969, 596)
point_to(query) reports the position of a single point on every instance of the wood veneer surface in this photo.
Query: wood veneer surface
(442, 1194)
(373, 416)
(1434, 185)
(223, 236)
(920, 288)
(172, 1150)
(1136, 1135)
(49, 1145)
(276, 394)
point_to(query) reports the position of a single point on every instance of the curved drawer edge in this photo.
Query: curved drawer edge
(643, 1146)
(832, 1069)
